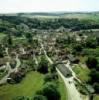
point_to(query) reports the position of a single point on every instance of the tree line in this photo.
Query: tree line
(55, 23)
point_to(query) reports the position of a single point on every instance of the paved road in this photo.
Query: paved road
(73, 93)
(18, 63)
(8, 67)
(42, 46)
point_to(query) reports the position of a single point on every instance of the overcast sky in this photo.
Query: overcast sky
(8, 6)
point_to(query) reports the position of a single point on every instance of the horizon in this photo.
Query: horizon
(53, 12)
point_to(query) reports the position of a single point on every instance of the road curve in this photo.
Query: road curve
(10, 70)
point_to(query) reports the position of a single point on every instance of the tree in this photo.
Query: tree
(91, 62)
(29, 37)
(1, 51)
(77, 48)
(31, 64)
(50, 77)
(53, 68)
(39, 97)
(91, 42)
(94, 76)
(9, 40)
(51, 92)
(97, 40)
(96, 87)
(43, 65)
(97, 68)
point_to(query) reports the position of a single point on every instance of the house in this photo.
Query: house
(64, 70)
(72, 58)
(25, 56)
(3, 61)
(16, 77)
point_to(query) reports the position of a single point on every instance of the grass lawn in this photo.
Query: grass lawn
(83, 59)
(30, 84)
(96, 97)
(62, 89)
(82, 73)
(18, 40)
(2, 35)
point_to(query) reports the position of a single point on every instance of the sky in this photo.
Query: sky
(15, 6)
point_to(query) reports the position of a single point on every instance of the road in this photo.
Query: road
(18, 63)
(10, 70)
(73, 93)
(2, 67)
(3, 80)
(36, 61)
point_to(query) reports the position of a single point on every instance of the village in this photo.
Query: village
(42, 57)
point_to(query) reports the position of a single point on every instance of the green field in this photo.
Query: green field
(90, 16)
(86, 16)
(82, 73)
(30, 84)
(96, 97)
